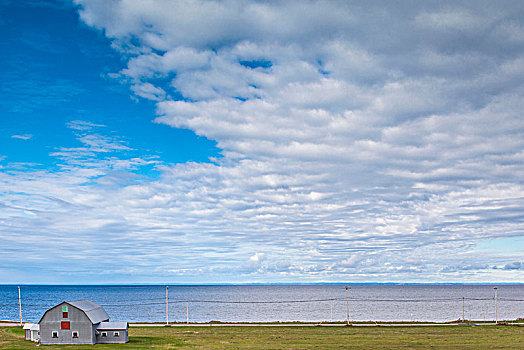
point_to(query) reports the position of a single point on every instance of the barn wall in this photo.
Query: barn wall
(78, 320)
(123, 337)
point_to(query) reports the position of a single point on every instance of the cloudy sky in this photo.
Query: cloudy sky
(194, 141)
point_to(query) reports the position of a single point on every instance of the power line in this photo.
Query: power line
(151, 301)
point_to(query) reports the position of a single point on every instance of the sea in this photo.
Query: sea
(274, 303)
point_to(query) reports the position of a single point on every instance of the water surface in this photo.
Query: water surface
(265, 303)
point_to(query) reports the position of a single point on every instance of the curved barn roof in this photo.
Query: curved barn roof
(93, 311)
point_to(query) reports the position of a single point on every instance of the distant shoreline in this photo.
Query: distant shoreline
(273, 284)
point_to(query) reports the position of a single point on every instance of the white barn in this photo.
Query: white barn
(80, 322)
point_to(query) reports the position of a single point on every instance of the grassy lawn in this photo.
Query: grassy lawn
(215, 337)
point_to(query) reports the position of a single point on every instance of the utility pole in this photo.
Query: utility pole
(347, 304)
(331, 310)
(167, 305)
(20, 305)
(496, 311)
(463, 319)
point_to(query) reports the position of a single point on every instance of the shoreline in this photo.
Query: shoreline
(473, 323)
(268, 284)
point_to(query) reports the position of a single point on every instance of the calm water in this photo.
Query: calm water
(274, 302)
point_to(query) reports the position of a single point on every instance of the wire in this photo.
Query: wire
(160, 301)
(151, 301)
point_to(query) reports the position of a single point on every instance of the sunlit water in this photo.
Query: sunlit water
(265, 303)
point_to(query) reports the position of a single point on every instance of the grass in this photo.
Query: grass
(268, 337)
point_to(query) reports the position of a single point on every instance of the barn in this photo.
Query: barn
(80, 322)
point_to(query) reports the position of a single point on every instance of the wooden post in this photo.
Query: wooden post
(167, 305)
(463, 319)
(331, 310)
(20, 305)
(347, 304)
(496, 310)
(187, 312)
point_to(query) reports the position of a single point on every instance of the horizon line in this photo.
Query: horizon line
(264, 284)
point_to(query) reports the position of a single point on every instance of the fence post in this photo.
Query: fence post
(347, 304)
(167, 305)
(20, 305)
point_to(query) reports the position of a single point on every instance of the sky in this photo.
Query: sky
(230, 141)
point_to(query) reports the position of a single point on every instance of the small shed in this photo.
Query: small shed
(112, 332)
(32, 332)
(78, 322)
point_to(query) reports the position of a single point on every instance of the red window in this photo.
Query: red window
(65, 314)
(65, 325)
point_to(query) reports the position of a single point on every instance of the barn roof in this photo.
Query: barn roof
(110, 326)
(93, 311)
(32, 326)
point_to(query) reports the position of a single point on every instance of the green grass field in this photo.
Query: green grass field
(215, 337)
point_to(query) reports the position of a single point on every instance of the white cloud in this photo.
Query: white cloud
(22, 137)
(99, 143)
(450, 19)
(382, 140)
(516, 265)
(257, 257)
(82, 125)
(147, 90)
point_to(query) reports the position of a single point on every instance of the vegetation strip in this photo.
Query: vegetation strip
(455, 337)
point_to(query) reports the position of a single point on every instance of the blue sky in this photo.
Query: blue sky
(63, 78)
(274, 141)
